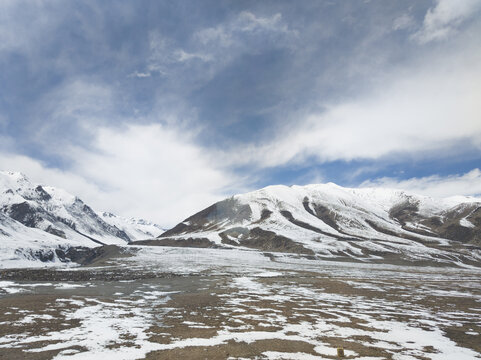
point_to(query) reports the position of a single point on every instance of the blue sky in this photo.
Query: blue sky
(158, 108)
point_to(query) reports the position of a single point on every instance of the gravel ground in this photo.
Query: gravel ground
(255, 309)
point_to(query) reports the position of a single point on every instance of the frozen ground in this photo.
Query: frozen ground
(181, 303)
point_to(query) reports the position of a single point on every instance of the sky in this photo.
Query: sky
(157, 109)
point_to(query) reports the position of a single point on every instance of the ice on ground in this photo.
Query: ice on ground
(69, 286)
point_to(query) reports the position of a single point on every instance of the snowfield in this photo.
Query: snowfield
(236, 304)
(279, 273)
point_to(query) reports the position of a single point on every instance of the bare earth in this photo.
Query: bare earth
(215, 304)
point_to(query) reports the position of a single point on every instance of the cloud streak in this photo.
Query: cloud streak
(227, 34)
(217, 45)
(468, 184)
(432, 106)
(442, 20)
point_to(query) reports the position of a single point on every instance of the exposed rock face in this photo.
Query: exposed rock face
(78, 254)
(211, 217)
(334, 222)
(189, 242)
(264, 240)
(25, 214)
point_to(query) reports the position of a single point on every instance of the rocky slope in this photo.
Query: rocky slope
(329, 221)
(34, 219)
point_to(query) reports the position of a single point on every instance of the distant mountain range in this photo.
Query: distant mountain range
(323, 221)
(331, 222)
(34, 216)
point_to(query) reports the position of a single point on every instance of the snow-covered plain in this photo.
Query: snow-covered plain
(241, 303)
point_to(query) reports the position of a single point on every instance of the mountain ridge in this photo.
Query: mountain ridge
(330, 221)
(39, 217)
(325, 221)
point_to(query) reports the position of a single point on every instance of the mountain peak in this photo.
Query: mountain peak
(13, 179)
(62, 217)
(14, 174)
(365, 224)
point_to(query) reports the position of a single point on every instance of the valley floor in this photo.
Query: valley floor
(182, 303)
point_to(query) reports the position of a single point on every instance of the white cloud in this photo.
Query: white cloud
(437, 186)
(140, 74)
(161, 53)
(247, 21)
(216, 46)
(428, 106)
(164, 53)
(402, 22)
(214, 35)
(442, 20)
(148, 171)
(152, 170)
(185, 56)
(227, 34)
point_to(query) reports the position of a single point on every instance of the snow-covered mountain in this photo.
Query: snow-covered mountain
(41, 217)
(133, 227)
(325, 221)
(329, 221)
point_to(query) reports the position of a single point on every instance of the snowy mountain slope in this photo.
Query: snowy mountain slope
(331, 221)
(43, 217)
(23, 246)
(133, 227)
(54, 211)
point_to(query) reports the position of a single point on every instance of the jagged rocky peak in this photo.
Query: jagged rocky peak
(133, 227)
(15, 176)
(107, 214)
(61, 214)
